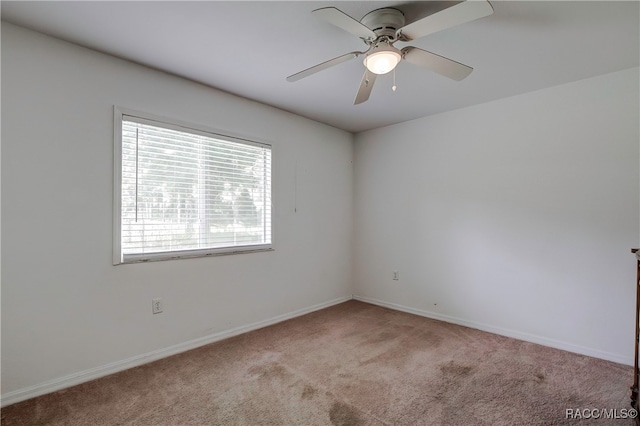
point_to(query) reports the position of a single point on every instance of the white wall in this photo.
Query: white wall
(514, 216)
(67, 313)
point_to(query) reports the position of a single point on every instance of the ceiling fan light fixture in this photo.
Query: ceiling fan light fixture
(383, 58)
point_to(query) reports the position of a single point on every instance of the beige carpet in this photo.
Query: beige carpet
(350, 364)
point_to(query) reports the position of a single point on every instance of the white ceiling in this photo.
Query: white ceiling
(248, 48)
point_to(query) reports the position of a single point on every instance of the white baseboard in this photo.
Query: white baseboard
(504, 332)
(115, 367)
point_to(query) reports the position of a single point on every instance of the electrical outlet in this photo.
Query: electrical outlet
(156, 306)
(396, 275)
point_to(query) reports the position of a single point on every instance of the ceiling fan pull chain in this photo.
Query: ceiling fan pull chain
(394, 87)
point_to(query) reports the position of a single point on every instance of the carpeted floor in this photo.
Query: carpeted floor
(350, 364)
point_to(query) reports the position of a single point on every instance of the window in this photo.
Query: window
(183, 191)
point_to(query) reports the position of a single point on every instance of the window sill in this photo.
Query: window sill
(190, 254)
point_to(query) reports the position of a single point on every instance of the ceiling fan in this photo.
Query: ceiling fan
(381, 28)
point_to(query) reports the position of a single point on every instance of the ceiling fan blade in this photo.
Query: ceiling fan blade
(344, 21)
(323, 66)
(455, 15)
(365, 87)
(440, 64)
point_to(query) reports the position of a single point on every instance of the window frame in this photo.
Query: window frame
(119, 114)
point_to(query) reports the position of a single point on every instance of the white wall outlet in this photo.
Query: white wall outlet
(396, 275)
(156, 306)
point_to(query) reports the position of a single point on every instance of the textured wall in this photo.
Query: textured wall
(514, 216)
(65, 308)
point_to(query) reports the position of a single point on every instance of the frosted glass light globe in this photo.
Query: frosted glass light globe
(383, 59)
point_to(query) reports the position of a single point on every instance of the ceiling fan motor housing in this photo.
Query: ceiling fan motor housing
(384, 22)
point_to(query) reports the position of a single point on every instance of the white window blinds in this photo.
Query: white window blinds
(185, 192)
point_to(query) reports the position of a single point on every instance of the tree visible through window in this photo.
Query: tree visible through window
(185, 192)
